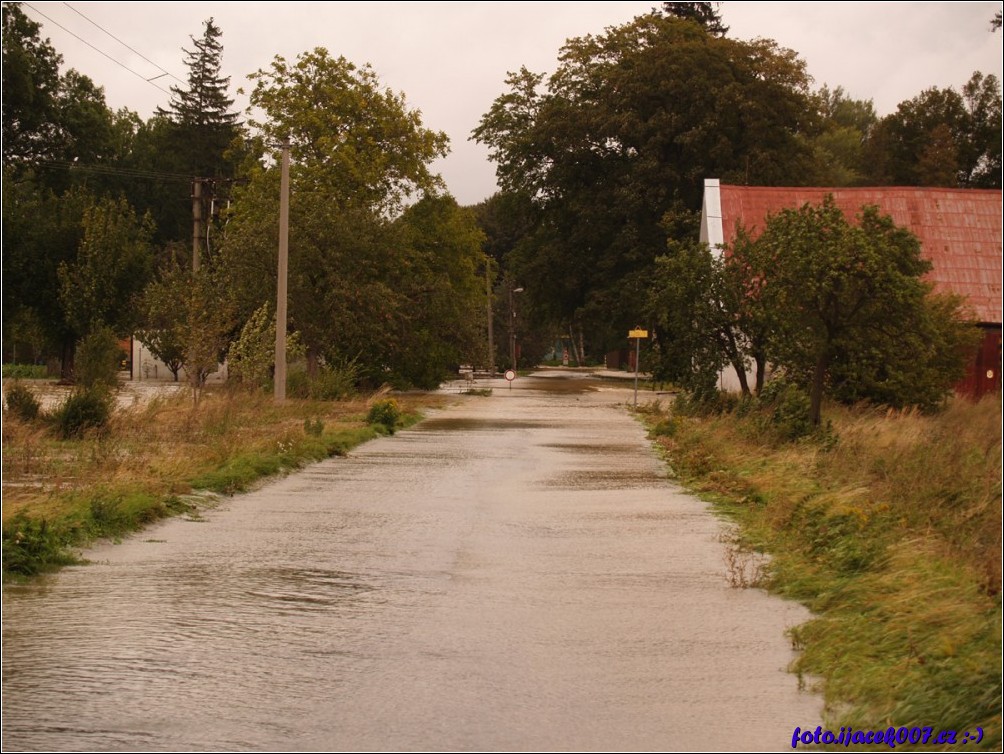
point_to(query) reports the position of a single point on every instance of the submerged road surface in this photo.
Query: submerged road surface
(514, 573)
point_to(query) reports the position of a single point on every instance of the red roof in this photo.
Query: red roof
(959, 229)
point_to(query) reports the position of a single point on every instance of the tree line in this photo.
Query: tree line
(601, 168)
(386, 280)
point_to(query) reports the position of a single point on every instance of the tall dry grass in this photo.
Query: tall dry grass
(59, 493)
(888, 528)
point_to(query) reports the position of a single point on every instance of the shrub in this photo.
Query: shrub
(31, 546)
(332, 383)
(83, 410)
(97, 359)
(385, 413)
(713, 402)
(24, 371)
(788, 409)
(251, 358)
(22, 402)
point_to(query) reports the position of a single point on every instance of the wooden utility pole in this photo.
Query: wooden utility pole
(196, 223)
(280, 304)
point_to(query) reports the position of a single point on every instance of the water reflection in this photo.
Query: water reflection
(516, 573)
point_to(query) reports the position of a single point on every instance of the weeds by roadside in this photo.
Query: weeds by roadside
(887, 525)
(141, 463)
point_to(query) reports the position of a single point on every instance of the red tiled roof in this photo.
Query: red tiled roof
(959, 229)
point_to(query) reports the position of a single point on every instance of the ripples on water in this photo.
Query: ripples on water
(513, 573)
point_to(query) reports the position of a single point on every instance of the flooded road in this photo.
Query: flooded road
(514, 573)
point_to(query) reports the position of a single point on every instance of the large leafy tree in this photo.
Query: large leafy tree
(839, 154)
(50, 120)
(625, 131)
(446, 315)
(350, 137)
(368, 280)
(100, 287)
(42, 231)
(707, 314)
(31, 84)
(59, 138)
(847, 309)
(941, 137)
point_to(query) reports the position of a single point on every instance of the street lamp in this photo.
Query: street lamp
(512, 326)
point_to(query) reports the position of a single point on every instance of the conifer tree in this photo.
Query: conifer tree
(203, 123)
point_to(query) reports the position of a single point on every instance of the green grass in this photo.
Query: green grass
(24, 371)
(238, 473)
(889, 530)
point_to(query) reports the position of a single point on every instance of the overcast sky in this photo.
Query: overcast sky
(450, 58)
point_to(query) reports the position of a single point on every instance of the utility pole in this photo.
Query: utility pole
(196, 223)
(280, 304)
(491, 324)
(512, 326)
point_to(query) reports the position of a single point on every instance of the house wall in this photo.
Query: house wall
(984, 374)
(147, 367)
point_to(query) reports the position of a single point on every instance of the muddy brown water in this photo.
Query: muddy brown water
(514, 573)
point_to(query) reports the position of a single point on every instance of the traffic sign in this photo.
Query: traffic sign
(637, 333)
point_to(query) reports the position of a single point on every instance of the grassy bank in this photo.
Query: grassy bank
(60, 494)
(888, 527)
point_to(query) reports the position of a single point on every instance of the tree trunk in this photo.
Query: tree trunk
(816, 397)
(741, 374)
(313, 363)
(66, 364)
(575, 350)
(761, 371)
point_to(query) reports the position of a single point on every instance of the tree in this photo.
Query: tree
(707, 313)
(30, 90)
(355, 274)
(188, 319)
(704, 13)
(163, 318)
(349, 138)
(840, 300)
(42, 232)
(624, 132)
(101, 286)
(204, 125)
(942, 137)
(51, 121)
(839, 147)
(447, 318)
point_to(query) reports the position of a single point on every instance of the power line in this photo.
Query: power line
(110, 170)
(119, 63)
(133, 49)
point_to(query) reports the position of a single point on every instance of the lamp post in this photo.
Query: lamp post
(512, 326)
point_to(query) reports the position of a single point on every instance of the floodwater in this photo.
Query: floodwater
(514, 573)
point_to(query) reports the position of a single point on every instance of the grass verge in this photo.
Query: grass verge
(888, 527)
(61, 494)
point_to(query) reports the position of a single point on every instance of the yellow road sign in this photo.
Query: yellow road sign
(637, 333)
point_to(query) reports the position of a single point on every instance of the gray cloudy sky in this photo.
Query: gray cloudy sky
(450, 58)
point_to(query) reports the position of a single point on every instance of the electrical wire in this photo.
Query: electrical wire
(117, 62)
(132, 49)
(114, 171)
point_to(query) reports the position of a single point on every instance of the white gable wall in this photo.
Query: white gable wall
(712, 233)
